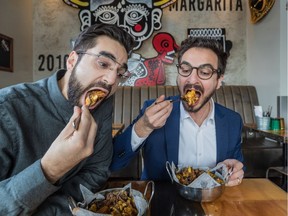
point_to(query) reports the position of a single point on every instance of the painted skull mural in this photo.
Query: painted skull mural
(139, 18)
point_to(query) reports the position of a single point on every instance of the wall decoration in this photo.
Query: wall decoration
(216, 33)
(259, 9)
(6, 53)
(139, 18)
(52, 62)
(208, 5)
(51, 42)
(151, 71)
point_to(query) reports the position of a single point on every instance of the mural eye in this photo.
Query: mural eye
(136, 18)
(165, 44)
(106, 15)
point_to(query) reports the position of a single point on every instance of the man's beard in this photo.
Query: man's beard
(76, 89)
(193, 109)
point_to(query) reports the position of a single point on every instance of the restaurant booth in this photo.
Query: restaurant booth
(253, 33)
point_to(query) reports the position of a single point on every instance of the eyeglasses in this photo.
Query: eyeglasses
(204, 71)
(106, 63)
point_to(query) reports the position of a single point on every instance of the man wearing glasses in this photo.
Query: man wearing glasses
(198, 134)
(51, 139)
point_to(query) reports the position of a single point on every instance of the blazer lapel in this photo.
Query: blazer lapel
(172, 133)
(221, 134)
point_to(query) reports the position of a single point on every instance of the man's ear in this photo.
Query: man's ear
(71, 60)
(220, 80)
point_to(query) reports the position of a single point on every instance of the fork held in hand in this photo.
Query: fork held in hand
(171, 101)
(230, 172)
(76, 121)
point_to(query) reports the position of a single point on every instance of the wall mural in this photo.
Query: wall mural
(139, 18)
(151, 71)
(216, 33)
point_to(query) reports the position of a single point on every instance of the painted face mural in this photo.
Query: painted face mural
(140, 19)
(151, 72)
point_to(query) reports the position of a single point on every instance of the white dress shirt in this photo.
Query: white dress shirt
(197, 145)
(136, 141)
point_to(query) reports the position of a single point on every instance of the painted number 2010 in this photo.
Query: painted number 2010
(52, 63)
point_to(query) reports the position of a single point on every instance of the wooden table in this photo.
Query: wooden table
(117, 128)
(278, 135)
(253, 197)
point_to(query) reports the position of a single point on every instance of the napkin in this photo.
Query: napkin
(258, 110)
(204, 180)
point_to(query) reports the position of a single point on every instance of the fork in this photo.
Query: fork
(76, 121)
(230, 172)
(171, 101)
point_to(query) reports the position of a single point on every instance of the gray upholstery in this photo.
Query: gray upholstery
(259, 153)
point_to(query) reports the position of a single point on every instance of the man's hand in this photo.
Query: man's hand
(237, 172)
(71, 146)
(155, 117)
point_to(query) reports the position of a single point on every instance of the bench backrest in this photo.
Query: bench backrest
(128, 100)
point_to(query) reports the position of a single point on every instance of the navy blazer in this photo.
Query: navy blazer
(163, 144)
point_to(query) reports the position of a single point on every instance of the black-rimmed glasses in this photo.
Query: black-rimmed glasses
(106, 63)
(204, 71)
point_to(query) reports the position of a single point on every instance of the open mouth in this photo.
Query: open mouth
(94, 97)
(191, 97)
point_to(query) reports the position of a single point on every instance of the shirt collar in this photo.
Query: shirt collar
(210, 118)
(65, 109)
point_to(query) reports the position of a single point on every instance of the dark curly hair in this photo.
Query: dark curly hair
(88, 37)
(207, 43)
